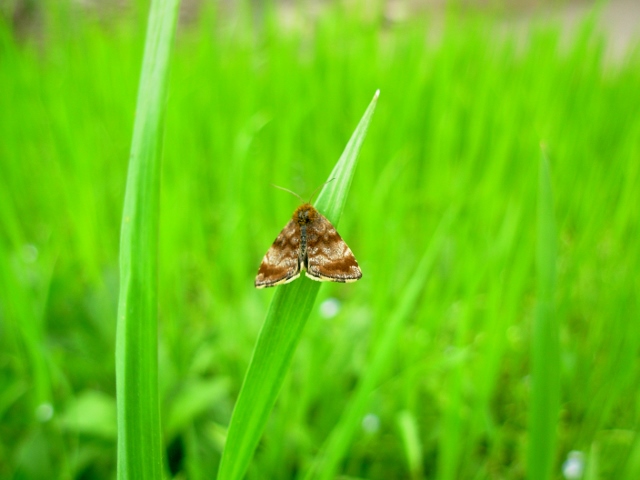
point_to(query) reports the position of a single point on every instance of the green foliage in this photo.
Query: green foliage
(425, 370)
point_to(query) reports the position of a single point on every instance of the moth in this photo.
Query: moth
(308, 242)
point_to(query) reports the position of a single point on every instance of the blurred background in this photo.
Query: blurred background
(270, 92)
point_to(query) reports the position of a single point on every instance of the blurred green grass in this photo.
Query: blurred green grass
(254, 100)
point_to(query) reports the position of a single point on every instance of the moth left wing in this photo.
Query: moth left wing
(329, 259)
(281, 263)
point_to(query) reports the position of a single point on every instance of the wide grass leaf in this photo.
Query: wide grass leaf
(139, 437)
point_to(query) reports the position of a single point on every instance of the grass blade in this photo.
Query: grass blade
(410, 435)
(545, 382)
(139, 436)
(282, 328)
(333, 197)
(339, 440)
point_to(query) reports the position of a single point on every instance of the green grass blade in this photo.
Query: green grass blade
(545, 376)
(282, 328)
(410, 435)
(632, 467)
(592, 470)
(337, 444)
(139, 436)
(331, 200)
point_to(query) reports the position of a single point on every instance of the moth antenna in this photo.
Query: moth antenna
(287, 190)
(319, 187)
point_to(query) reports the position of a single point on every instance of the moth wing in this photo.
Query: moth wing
(329, 259)
(281, 263)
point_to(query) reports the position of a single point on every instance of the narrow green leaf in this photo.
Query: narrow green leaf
(545, 361)
(333, 197)
(632, 467)
(139, 437)
(283, 326)
(410, 435)
(337, 444)
(592, 470)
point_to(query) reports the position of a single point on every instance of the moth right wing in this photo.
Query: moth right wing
(281, 263)
(329, 259)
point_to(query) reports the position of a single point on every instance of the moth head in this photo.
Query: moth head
(305, 214)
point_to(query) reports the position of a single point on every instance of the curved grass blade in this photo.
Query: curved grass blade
(338, 442)
(282, 328)
(139, 436)
(545, 381)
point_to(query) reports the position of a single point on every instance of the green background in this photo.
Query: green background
(259, 97)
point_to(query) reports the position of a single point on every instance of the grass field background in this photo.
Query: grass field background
(452, 153)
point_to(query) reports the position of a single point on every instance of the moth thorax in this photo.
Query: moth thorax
(305, 214)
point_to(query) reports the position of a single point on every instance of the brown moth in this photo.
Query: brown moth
(308, 242)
